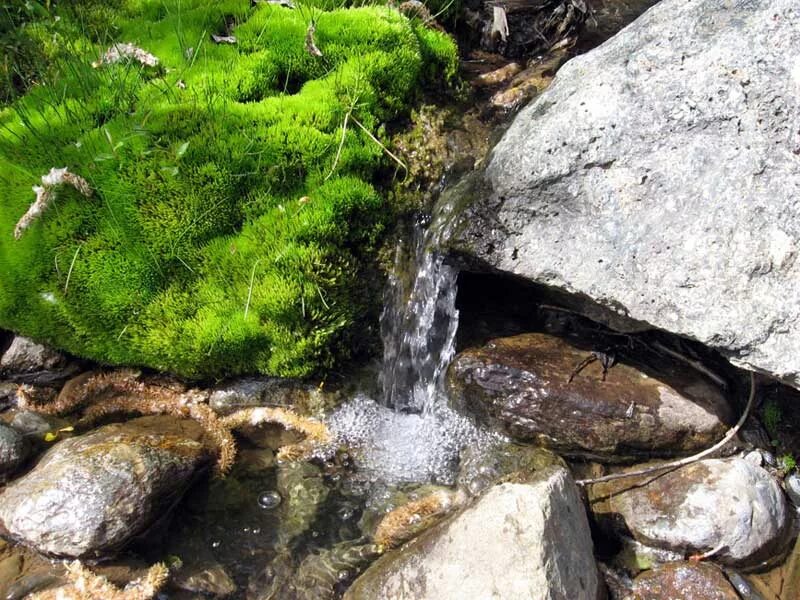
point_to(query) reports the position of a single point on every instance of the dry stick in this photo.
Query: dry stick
(377, 141)
(341, 144)
(689, 459)
(692, 363)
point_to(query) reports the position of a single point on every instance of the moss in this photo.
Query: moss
(235, 221)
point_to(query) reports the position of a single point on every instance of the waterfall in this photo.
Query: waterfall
(411, 434)
(418, 326)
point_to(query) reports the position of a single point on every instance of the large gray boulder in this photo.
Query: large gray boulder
(658, 181)
(91, 495)
(518, 541)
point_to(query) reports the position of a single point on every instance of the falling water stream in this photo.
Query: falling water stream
(411, 434)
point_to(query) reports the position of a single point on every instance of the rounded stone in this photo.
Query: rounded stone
(13, 449)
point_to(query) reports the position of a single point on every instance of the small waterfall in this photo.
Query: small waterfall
(412, 435)
(418, 325)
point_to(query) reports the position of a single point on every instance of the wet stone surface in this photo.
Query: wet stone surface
(91, 495)
(537, 537)
(26, 361)
(522, 385)
(14, 450)
(685, 580)
(729, 508)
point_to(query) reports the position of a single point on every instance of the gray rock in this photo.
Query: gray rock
(33, 424)
(90, 495)
(518, 541)
(14, 450)
(656, 181)
(792, 486)
(522, 384)
(26, 361)
(728, 507)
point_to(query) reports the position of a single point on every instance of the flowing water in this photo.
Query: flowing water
(411, 434)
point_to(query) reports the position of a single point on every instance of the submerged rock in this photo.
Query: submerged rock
(518, 541)
(26, 361)
(522, 384)
(656, 182)
(14, 450)
(248, 392)
(729, 508)
(685, 580)
(302, 491)
(91, 495)
(481, 468)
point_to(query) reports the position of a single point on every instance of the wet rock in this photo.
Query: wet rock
(685, 580)
(34, 424)
(14, 450)
(518, 541)
(10, 569)
(480, 468)
(26, 361)
(792, 486)
(623, 184)
(91, 495)
(302, 491)
(729, 508)
(8, 394)
(247, 392)
(208, 579)
(522, 384)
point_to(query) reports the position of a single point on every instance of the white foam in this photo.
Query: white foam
(393, 447)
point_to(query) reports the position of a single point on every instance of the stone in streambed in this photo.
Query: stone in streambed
(14, 449)
(726, 506)
(91, 495)
(518, 541)
(26, 361)
(521, 384)
(684, 580)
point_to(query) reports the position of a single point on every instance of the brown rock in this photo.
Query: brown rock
(521, 383)
(684, 580)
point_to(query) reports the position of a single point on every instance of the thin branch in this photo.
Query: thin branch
(689, 459)
(377, 141)
(692, 363)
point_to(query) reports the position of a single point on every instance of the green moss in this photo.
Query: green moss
(234, 223)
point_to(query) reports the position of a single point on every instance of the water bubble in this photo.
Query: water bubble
(269, 500)
(215, 544)
(346, 513)
(343, 575)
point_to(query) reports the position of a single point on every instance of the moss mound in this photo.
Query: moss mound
(234, 220)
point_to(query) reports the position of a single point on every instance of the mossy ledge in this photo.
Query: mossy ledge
(234, 218)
